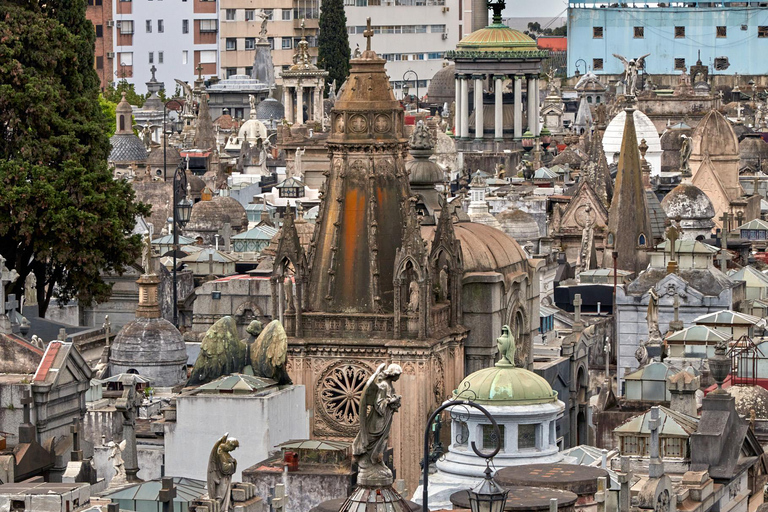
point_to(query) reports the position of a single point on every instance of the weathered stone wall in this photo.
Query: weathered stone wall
(304, 490)
(150, 462)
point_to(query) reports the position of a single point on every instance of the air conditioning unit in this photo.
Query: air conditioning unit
(446, 9)
(445, 36)
(117, 24)
(110, 23)
(110, 55)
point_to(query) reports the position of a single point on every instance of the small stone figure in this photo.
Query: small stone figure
(652, 317)
(30, 290)
(263, 29)
(298, 167)
(357, 54)
(146, 255)
(685, 154)
(221, 353)
(631, 67)
(413, 297)
(188, 97)
(378, 406)
(252, 103)
(116, 457)
(507, 347)
(443, 297)
(221, 467)
(254, 329)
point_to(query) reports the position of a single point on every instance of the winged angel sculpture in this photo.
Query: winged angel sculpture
(631, 67)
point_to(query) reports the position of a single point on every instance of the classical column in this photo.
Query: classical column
(518, 107)
(536, 106)
(478, 105)
(498, 122)
(457, 106)
(465, 107)
(288, 103)
(317, 107)
(300, 104)
(531, 103)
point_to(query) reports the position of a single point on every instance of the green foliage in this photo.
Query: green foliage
(333, 51)
(62, 215)
(535, 30)
(109, 109)
(114, 93)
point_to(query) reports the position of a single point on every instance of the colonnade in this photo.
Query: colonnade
(291, 91)
(461, 128)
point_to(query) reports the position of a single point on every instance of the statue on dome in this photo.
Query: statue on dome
(378, 406)
(507, 347)
(421, 137)
(685, 154)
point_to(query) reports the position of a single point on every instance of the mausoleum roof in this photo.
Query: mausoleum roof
(506, 385)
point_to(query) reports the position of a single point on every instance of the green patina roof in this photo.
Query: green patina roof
(237, 383)
(698, 333)
(505, 385)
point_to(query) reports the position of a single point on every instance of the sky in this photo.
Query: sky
(538, 9)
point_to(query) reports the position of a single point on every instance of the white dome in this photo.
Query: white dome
(645, 130)
(251, 130)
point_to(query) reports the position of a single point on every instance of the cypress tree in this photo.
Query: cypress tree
(333, 41)
(62, 215)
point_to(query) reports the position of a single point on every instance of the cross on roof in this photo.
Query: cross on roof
(368, 34)
(152, 70)
(11, 304)
(26, 401)
(199, 69)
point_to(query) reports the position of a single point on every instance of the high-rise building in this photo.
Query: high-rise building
(175, 36)
(99, 12)
(413, 36)
(241, 25)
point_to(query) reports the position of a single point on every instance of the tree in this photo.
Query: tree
(333, 51)
(114, 93)
(62, 215)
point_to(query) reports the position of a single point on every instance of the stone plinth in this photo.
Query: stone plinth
(580, 480)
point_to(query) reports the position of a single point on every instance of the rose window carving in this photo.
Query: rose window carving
(339, 391)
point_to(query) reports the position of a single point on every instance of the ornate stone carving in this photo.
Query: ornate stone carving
(340, 388)
(382, 123)
(358, 123)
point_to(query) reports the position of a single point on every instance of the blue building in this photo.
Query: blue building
(732, 37)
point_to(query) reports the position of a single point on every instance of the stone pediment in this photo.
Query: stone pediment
(575, 213)
(671, 284)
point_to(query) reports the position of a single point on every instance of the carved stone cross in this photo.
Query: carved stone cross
(152, 70)
(577, 307)
(26, 401)
(368, 34)
(11, 304)
(199, 71)
(655, 468)
(77, 453)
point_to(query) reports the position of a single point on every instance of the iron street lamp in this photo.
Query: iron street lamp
(182, 211)
(578, 70)
(487, 496)
(417, 85)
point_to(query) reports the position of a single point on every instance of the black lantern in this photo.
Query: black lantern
(183, 211)
(545, 137)
(488, 496)
(528, 141)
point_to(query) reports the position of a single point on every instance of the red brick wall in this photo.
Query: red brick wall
(100, 15)
(204, 7)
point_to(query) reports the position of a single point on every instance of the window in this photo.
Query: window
(99, 62)
(597, 32)
(230, 14)
(97, 2)
(207, 25)
(99, 30)
(184, 56)
(228, 72)
(149, 26)
(762, 31)
(632, 445)
(722, 32)
(437, 29)
(489, 437)
(126, 59)
(160, 26)
(151, 57)
(674, 447)
(679, 64)
(271, 41)
(287, 15)
(185, 26)
(250, 14)
(641, 240)
(159, 57)
(679, 32)
(639, 32)
(250, 43)
(721, 63)
(231, 44)
(126, 27)
(287, 43)
(249, 70)
(208, 57)
(597, 64)
(526, 436)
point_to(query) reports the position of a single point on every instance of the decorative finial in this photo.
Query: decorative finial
(199, 71)
(507, 347)
(368, 34)
(497, 6)
(303, 24)
(152, 70)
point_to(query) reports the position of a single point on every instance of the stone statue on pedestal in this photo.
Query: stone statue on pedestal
(221, 467)
(652, 317)
(30, 290)
(507, 347)
(631, 67)
(378, 406)
(116, 457)
(685, 154)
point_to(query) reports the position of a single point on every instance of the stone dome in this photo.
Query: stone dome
(645, 129)
(424, 172)
(689, 202)
(496, 38)
(251, 130)
(172, 158)
(270, 108)
(506, 385)
(519, 224)
(207, 213)
(750, 397)
(715, 136)
(442, 87)
(154, 348)
(196, 184)
(126, 149)
(234, 209)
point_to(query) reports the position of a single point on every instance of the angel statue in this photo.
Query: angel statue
(378, 406)
(631, 67)
(188, 98)
(686, 148)
(116, 457)
(221, 467)
(507, 347)
(263, 29)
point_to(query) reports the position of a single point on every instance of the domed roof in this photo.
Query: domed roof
(233, 209)
(216, 212)
(127, 148)
(519, 225)
(270, 108)
(484, 248)
(753, 147)
(689, 202)
(714, 136)
(506, 385)
(442, 87)
(172, 157)
(154, 342)
(496, 38)
(196, 184)
(251, 130)
(750, 397)
(424, 172)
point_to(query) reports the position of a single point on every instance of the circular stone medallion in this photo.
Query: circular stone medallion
(358, 123)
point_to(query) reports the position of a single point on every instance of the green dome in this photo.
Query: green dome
(505, 385)
(497, 38)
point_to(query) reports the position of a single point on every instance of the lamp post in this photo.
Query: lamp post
(417, 86)
(578, 70)
(487, 496)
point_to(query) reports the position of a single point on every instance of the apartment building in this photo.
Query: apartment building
(173, 35)
(99, 12)
(240, 24)
(412, 35)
